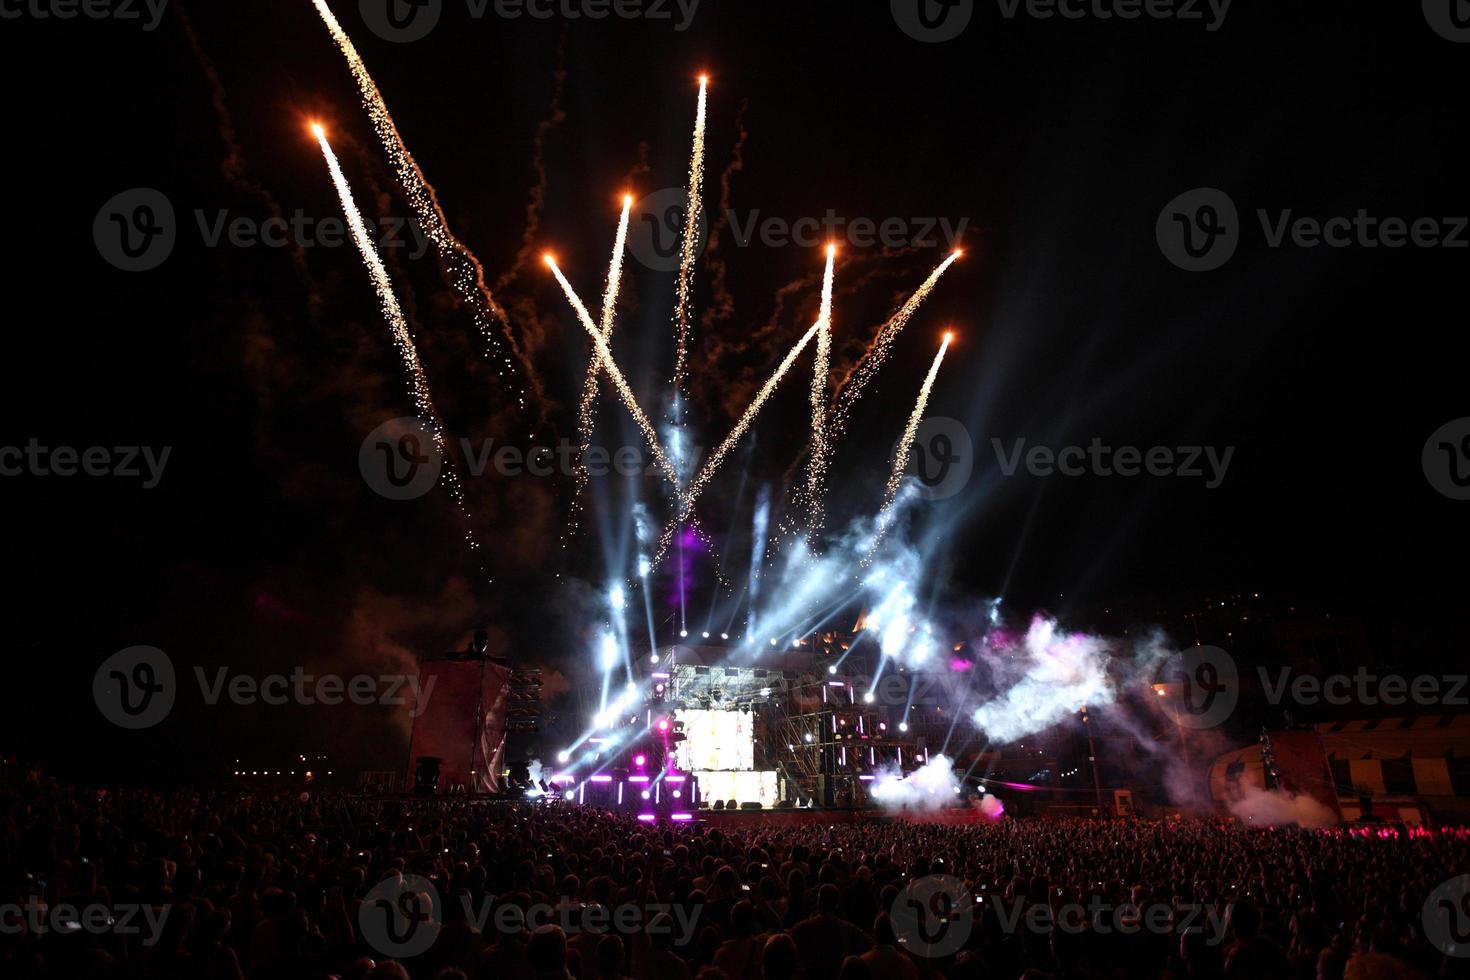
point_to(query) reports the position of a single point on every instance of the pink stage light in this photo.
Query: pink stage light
(673, 779)
(681, 816)
(637, 779)
(648, 817)
(639, 760)
(601, 779)
(663, 724)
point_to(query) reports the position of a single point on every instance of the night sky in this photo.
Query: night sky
(1057, 142)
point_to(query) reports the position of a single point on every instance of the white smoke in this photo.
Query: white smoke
(1052, 675)
(991, 807)
(1276, 808)
(927, 788)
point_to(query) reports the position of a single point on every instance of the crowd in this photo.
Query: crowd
(230, 886)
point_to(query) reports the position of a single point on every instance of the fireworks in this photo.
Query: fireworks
(418, 384)
(692, 213)
(590, 386)
(463, 269)
(830, 408)
(906, 444)
(852, 386)
(817, 466)
(605, 358)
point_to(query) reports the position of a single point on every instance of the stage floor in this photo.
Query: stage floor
(954, 816)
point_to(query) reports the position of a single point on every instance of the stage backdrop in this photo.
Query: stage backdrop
(461, 721)
(1302, 762)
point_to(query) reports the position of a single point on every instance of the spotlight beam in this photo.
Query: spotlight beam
(701, 481)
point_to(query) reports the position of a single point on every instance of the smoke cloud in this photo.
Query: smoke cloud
(1279, 808)
(1052, 675)
(930, 787)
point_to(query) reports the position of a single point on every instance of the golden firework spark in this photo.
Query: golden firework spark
(418, 384)
(590, 386)
(693, 211)
(867, 367)
(906, 445)
(605, 358)
(465, 273)
(820, 456)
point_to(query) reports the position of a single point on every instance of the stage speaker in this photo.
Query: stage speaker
(426, 775)
(826, 790)
(750, 805)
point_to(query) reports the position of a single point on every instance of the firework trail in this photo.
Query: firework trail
(817, 466)
(403, 340)
(464, 271)
(851, 388)
(605, 358)
(556, 115)
(722, 301)
(590, 386)
(905, 446)
(693, 211)
(701, 480)
(234, 167)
